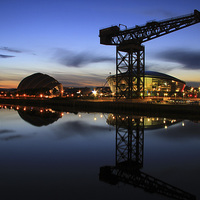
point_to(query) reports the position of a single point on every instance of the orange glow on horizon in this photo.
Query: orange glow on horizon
(81, 80)
(9, 84)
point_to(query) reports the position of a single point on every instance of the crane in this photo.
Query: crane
(129, 160)
(130, 53)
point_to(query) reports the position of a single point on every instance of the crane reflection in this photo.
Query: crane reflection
(129, 157)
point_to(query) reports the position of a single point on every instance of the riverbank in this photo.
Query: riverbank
(185, 111)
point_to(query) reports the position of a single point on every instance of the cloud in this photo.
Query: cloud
(74, 128)
(75, 59)
(187, 58)
(179, 133)
(6, 56)
(11, 137)
(81, 80)
(14, 50)
(159, 12)
(164, 68)
(10, 50)
(7, 134)
(192, 83)
(6, 131)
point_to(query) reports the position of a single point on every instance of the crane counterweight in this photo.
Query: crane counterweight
(107, 34)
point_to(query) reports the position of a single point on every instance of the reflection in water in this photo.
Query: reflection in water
(38, 116)
(149, 122)
(129, 158)
(129, 150)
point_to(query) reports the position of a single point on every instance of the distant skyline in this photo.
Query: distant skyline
(60, 38)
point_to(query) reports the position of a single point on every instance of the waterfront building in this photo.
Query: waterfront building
(156, 84)
(41, 85)
(148, 123)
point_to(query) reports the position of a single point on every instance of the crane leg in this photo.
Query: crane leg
(129, 141)
(130, 67)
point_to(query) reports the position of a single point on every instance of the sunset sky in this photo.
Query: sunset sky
(60, 38)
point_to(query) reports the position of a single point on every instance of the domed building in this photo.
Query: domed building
(34, 116)
(39, 84)
(156, 84)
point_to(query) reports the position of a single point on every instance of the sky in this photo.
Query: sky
(61, 38)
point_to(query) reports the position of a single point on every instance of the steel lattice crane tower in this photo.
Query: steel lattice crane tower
(129, 160)
(130, 53)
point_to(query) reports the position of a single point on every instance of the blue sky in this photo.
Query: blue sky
(60, 38)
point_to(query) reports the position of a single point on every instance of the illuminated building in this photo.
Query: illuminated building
(149, 123)
(156, 84)
(39, 116)
(40, 85)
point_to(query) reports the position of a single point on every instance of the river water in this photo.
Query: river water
(52, 155)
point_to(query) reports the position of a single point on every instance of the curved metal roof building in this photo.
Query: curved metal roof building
(153, 74)
(36, 118)
(39, 81)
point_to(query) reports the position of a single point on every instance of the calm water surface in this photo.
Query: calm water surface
(52, 155)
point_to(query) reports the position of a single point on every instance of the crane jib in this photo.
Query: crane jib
(114, 36)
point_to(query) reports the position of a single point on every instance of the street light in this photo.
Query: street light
(94, 92)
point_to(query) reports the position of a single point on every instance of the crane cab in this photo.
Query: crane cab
(106, 34)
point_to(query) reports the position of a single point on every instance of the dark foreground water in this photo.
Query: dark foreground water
(50, 155)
